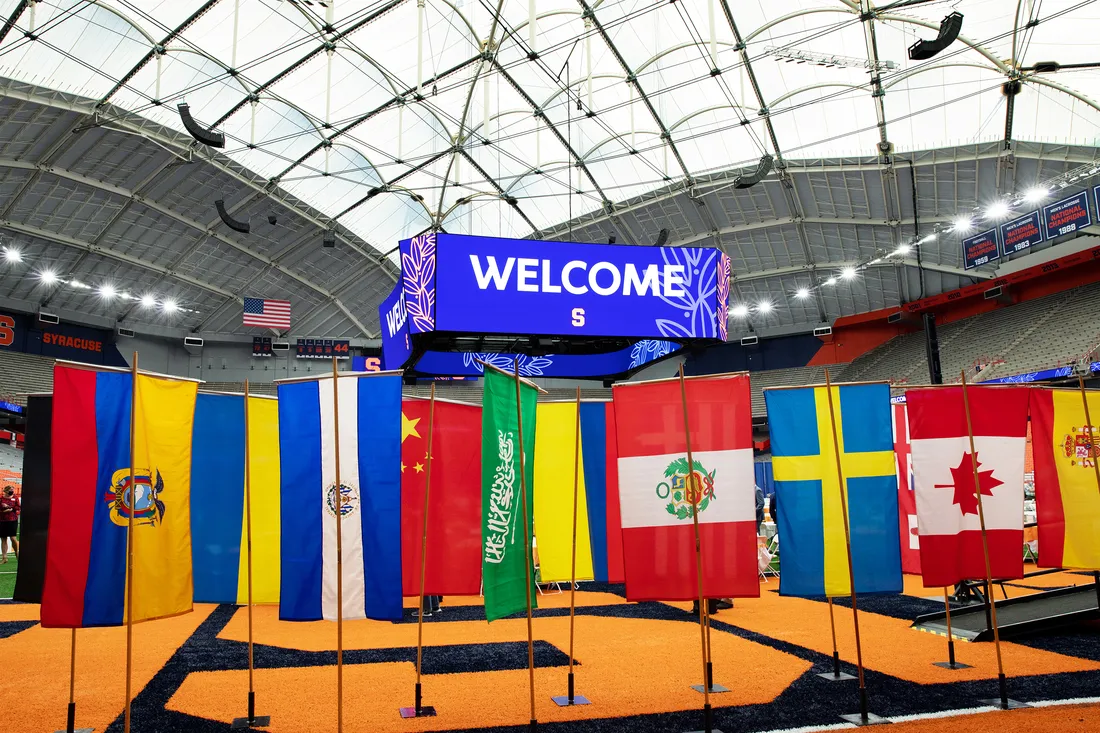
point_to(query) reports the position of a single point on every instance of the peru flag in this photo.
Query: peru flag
(947, 504)
(907, 501)
(657, 505)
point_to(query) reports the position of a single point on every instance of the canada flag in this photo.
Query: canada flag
(943, 471)
(907, 502)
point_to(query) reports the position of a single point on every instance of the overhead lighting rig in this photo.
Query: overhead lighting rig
(828, 60)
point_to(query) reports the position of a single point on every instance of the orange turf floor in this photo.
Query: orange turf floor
(627, 666)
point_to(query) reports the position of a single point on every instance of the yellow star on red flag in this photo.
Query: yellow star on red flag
(408, 427)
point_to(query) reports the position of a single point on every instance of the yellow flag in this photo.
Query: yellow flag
(555, 447)
(263, 473)
(164, 411)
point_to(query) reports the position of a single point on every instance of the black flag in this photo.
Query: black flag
(36, 499)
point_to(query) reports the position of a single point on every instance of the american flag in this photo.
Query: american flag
(266, 312)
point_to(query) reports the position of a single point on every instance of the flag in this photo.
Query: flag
(454, 522)
(34, 521)
(554, 451)
(657, 503)
(218, 529)
(503, 555)
(266, 312)
(369, 497)
(91, 498)
(943, 470)
(1067, 499)
(814, 557)
(907, 501)
(599, 457)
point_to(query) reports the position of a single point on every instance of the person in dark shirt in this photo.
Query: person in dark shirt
(759, 509)
(773, 508)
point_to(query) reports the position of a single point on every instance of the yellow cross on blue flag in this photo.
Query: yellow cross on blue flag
(814, 559)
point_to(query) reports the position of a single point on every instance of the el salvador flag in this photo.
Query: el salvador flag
(370, 474)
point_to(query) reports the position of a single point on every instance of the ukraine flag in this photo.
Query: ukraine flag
(814, 560)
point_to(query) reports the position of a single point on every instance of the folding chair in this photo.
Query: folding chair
(762, 544)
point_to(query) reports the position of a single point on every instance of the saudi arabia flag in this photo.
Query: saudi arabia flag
(502, 535)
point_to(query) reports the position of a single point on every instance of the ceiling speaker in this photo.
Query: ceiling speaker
(200, 133)
(762, 169)
(949, 31)
(235, 224)
(662, 238)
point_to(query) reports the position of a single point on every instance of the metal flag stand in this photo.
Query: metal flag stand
(1095, 458)
(70, 722)
(863, 717)
(693, 495)
(571, 698)
(418, 710)
(527, 546)
(130, 547)
(338, 502)
(836, 675)
(950, 663)
(1004, 703)
(252, 721)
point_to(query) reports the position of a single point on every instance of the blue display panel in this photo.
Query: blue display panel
(1019, 234)
(1066, 216)
(502, 286)
(552, 365)
(981, 249)
(394, 321)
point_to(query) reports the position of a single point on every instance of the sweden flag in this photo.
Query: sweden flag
(810, 522)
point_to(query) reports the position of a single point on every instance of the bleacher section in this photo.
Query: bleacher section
(22, 373)
(11, 460)
(795, 377)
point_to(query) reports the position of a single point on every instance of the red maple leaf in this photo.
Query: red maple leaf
(962, 479)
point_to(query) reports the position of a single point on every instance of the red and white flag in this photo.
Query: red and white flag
(657, 506)
(943, 470)
(907, 502)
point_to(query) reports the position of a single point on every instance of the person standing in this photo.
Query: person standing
(9, 522)
(759, 509)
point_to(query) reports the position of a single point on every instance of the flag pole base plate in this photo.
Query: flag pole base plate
(956, 665)
(78, 730)
(714, 689)
(562, 701)
(425, 711)
(872, 719)
(712, 730)
(836, 678)
(996, 703)
(260, 721)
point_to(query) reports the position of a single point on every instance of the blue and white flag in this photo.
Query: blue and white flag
(370, 497)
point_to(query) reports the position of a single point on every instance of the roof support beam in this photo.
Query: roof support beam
(892, 262)
(13, 18)
(496, 186)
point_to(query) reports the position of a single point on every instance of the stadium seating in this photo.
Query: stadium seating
(24, 373)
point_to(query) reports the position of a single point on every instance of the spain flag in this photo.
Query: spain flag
(94, 498)
(1067, 498)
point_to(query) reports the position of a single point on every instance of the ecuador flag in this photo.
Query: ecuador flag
(218, 516)
(1067, 498)
(92, 498)
(811, 521)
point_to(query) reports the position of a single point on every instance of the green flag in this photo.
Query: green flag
(503, 555)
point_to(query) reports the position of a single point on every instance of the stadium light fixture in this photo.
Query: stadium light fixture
(1037, 194)
(48, 277)
(831, 281)
(765, 307)
(740, 311)
(107, 291)
(930, 238)
(848, 273)
(148, 301)
(170, 306)
(904, 249)
(12, 255)
(802, 293)
(997, 211)
(963, 224)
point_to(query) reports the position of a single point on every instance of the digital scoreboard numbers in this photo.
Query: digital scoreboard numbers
(1067, 216)
(323, 348)
(261, 346)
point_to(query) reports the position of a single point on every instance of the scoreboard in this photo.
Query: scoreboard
(261, 346)
(323, 348)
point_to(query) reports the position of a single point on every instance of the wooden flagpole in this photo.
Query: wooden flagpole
(1005, 703)
(251, 720)
(836, 675)
(694, 495)
(1095, 458)
(950, 663)
(130, 545)
(570, 698)
(418, 710)
(338, 500)
(864, 717)
(527, 547)
(70, 721)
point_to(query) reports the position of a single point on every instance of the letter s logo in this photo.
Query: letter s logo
(578, 317)
(7, 330)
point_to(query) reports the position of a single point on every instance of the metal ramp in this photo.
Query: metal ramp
(1029, 614)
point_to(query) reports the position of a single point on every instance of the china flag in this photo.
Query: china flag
(454, 519)
(943, 471)
(657, 505)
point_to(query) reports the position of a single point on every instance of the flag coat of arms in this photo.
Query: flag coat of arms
(92, 500)
(943, 470)
(454, 519)
(218, 516)
(907, 500)
(503, 555)
(814, 557)
(1067, 499)
(368, 500)
(658, 501)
